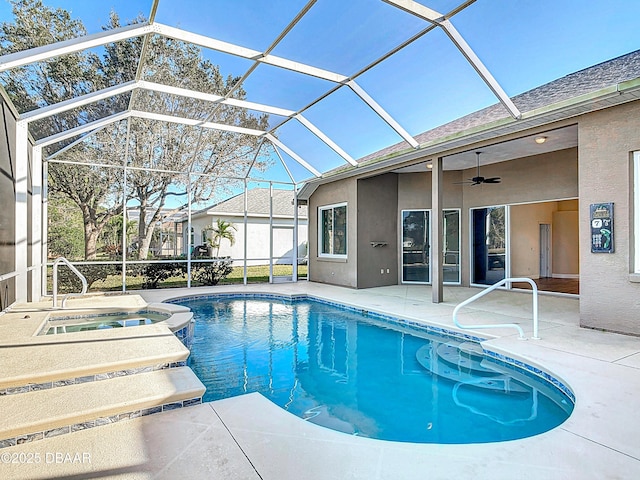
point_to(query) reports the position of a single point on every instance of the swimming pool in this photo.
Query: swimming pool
(364, 374)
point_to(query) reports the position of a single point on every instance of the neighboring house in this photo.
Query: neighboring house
(573, 154)
(258, 227)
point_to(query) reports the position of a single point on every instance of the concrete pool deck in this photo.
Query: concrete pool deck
(249, 437)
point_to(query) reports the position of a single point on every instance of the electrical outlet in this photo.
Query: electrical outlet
(382, 271)
(388, 271)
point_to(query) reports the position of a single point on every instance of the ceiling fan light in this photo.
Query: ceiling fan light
(541, 140)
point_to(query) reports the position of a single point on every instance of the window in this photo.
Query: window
(332, 226)
(636, 212)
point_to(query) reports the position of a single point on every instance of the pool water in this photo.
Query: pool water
(101, 322)
(364, 376)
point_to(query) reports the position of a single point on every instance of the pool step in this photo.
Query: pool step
(463, 362)
(58, 360)
(466, 356)
(46, 413)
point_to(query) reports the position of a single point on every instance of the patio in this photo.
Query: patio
(248, 437)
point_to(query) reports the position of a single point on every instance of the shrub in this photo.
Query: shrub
(211, 273)
(68, 282)
(154, 273)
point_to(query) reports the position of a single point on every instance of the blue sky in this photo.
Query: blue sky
(524, 43)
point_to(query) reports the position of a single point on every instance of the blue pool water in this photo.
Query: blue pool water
(365, 376)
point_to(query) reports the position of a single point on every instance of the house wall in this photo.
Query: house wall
(372, 210)
(377, 222)
(328, 270)
(609, 298)
(257, 235)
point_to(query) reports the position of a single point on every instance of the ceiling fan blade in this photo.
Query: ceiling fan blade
(492, 180)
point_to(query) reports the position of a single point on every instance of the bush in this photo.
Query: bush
(211, 273)
(68, 282)
(154, 273)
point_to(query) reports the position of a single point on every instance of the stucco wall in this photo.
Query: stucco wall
(608, 299)
(326, 270)
(257, 239)
(378, 221)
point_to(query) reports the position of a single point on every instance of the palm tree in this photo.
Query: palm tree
(221, 230)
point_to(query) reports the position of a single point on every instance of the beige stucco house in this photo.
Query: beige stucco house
(564, 202)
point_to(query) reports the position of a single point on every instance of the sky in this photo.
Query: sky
(523, 43)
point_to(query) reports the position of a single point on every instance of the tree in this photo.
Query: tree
(222, 230)
(156, 150)
(52, 81)
(64, 228)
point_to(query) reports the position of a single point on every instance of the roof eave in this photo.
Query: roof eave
(597, 100)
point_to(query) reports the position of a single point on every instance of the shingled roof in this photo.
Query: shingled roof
(591, 79)
(257, 205)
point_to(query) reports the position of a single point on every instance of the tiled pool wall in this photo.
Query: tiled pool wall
(32, 387)
(185, 334)
(414, 325)
(33, 437)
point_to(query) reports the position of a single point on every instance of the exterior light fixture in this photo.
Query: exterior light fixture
(429, 165)
(541, 140)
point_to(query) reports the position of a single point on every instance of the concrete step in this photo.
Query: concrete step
(45, 413)
(49, 362)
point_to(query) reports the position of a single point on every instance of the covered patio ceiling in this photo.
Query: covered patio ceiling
(338, 80)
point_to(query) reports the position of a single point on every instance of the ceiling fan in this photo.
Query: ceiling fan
(478, 180)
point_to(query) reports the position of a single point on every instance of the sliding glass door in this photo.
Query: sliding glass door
(416, 243)
(488, 240)
(415, 246)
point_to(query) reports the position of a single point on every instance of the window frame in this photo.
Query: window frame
(321, 231)
(636, 213)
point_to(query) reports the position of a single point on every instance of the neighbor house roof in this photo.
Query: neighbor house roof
(258, 205)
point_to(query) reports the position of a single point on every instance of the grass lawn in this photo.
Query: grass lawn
(255, 274)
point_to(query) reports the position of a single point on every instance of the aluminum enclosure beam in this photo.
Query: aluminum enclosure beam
(66, 105)
(224, 47)
(420, 11)
(58, 137)
(313, 129)
(293, 154)
(73, 45)
(382, 113)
